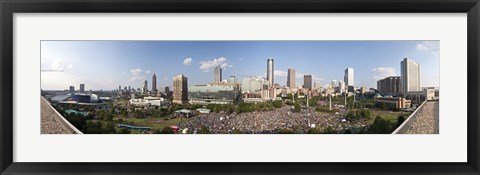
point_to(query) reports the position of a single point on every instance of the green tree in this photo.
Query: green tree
(166, 130)
(365, 113)
(351, 115)
(296, 108)
(76, 120)
(400, 120)
(108, 117)
(93, 128)
(380, 126)
(109, 128)
(277, 104)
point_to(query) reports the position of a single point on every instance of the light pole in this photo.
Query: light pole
(330, 101)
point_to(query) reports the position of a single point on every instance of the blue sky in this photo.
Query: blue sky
(107, 64)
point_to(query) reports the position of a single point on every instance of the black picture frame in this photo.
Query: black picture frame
(9, 7)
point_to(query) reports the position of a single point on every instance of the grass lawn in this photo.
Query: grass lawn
(391, 116)
(153, 122)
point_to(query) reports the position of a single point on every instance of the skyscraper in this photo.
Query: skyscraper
(291, 78)
(349, 77)
(218, 74)
(270, 69)
(72, 89)
(119, 87)
(154, 83)
(410, 76)
(82, 87)
(180, 89)
(307, 82)
(145, 87)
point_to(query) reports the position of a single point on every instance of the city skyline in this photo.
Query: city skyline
(108, 64)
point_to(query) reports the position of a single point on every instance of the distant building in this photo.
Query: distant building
(307, 82)
(148, 101)
(180, 89)
(363, 90)
(348, 78)
(145, 87)
(341, 86)
(232, 79)
(254, 84)
(429, 93)
(218, 93)
(167, 90)
(291, 78)
(119, 87)
(316, 85)
(410, 80)
(334, 83)
(389, 85)
(72, 89)
(154, 83)
(81, 99)
(82, 88)
(218, 74)
(393, 102)
(270, 69)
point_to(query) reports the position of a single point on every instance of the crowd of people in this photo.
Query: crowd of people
(263, 122)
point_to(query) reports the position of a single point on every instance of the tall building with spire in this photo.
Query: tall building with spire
(270, 69)
(218, 74)
(154, 83)
(291, 78)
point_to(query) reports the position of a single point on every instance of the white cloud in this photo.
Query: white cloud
(383, 72)
(432, 47)
(206, 66)
(138, 74)
(188, 61)
(70, 66)
(136, 71)
(57, 65)
(147, 72)
(315, 78)
(279, 73)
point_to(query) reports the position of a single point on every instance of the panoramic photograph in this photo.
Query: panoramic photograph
(240, 87)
